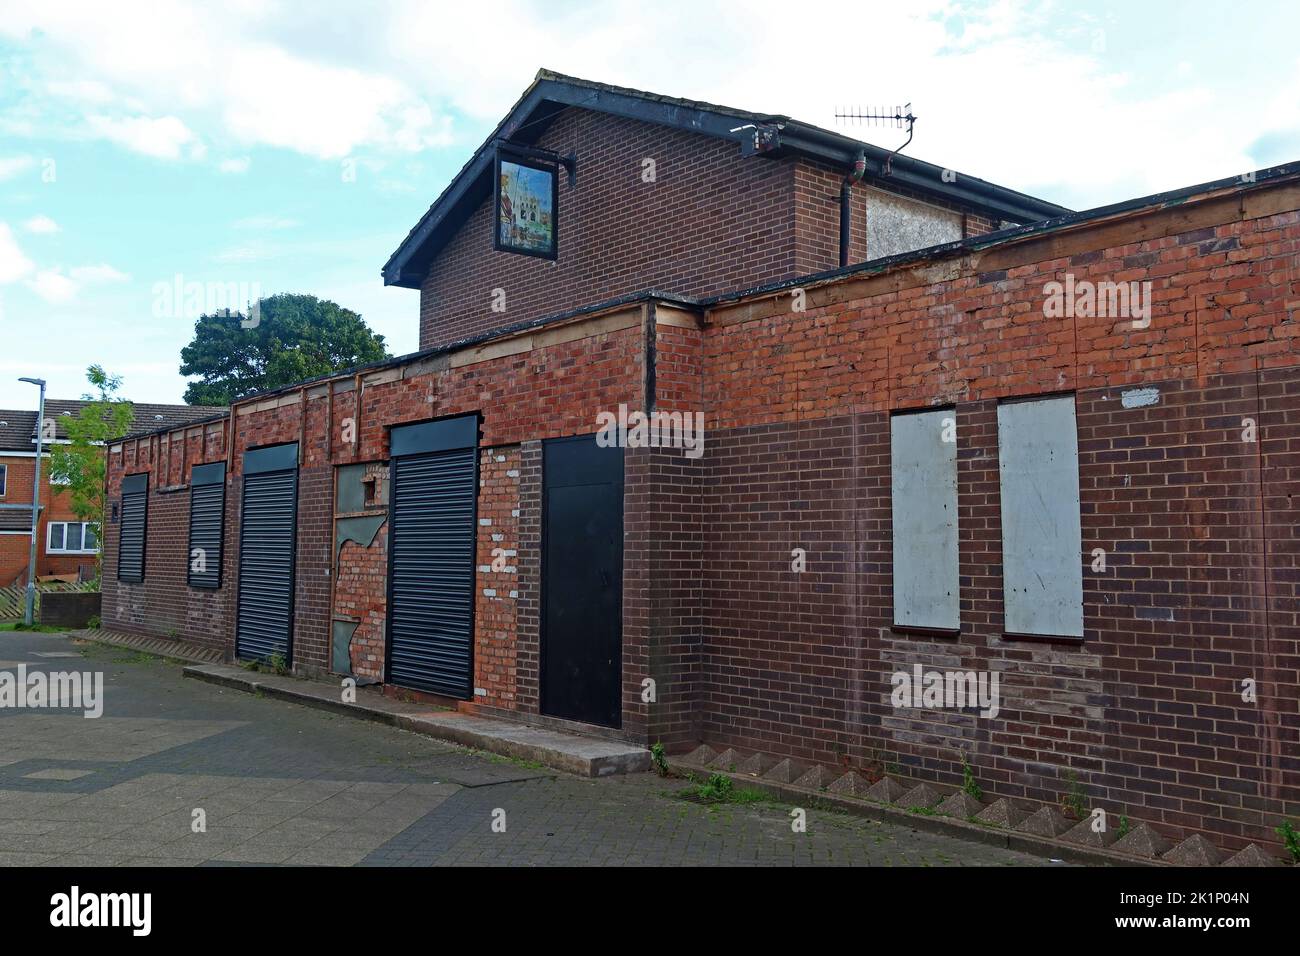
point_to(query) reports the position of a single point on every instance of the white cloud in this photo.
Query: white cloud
(99, 273)
(13, 264)
(53, 286)
(56, 287)
(1022, 92)
(277, 99)
(258, 77)
(41, 225)
(165, 137)
(85, 91)
(11, 166)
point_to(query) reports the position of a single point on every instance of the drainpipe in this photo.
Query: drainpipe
(846, 208)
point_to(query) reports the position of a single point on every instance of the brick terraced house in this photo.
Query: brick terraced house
(1003, 438)
(65, 547)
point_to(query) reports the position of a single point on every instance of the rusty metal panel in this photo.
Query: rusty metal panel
(1042, 551)
(923, 483)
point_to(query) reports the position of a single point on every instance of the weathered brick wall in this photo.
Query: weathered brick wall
(528, 609)
(311, 610)
(497, 594)
(163, 604)
(361, 593)
(555, 389)
(1197, 524)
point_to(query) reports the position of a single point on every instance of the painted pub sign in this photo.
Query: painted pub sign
(526, 207)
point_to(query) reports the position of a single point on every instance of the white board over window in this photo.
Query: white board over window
(1042, 564)
(923, 464)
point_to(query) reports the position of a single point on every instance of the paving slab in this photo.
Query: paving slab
(584, 756)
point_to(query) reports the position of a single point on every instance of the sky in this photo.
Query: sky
(253, 147)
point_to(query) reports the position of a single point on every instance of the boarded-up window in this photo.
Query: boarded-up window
(1042, 564)
(896, 224)
(923, 483)
(207, 524)
(131, 537)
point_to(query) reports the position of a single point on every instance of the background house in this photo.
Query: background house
(66, 547)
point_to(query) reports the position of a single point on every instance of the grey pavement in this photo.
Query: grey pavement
(276, 783)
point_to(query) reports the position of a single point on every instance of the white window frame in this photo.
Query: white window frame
(49, 538)
(4, 479)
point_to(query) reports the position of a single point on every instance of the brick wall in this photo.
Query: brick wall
(497, 595)
(1198, 524)
(57, 504)
(711, 221)
(361, 594)
(164, 604)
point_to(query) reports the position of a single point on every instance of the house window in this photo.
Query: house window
(70, 537)
(1042, 563)
(4, 479)
(923, 486)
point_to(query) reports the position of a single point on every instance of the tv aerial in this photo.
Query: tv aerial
(899, 117)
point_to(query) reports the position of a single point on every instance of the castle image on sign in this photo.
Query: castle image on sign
(526, 219)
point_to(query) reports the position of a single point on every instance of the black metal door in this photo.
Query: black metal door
(268, 528)
(582, 581)
(431, 559)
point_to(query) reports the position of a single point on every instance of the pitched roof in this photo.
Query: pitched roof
(552, 93)
(18, 426)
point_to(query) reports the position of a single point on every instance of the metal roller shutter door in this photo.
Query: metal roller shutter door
(207, 513)
(431, 624)
(264, 622)
(135, 511)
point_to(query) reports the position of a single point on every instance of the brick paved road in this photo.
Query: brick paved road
(279, 783)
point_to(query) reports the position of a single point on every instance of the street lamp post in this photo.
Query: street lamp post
(29, 614)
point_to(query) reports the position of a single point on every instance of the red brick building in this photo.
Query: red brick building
(66, 546)
(1058, 454)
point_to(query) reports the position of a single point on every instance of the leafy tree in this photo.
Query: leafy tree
(81, 464)
(288, 338)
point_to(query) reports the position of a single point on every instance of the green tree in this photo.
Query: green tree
(287, 339)
(81, 465)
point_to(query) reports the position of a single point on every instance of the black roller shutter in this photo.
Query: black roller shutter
(207, 522)
(134, 521)
(267, 532)
(431, 568)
